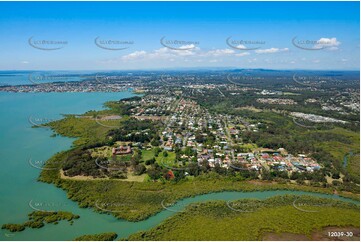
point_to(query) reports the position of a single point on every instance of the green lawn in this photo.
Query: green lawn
(147, 154)
(168, 161)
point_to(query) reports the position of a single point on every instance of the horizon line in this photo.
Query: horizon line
(181, 69)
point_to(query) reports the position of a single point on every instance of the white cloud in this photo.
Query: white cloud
(270, 50)
(219, 52)
(25, 62)
(316, 61)
(135, 55)
(241, 47)
(329, 43)
(242, 54)
(184, 50)
(162, 53)
(167, 53)
(185, 47)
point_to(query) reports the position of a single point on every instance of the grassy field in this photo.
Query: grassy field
(216, 221)
(147, 154)
(168, 161)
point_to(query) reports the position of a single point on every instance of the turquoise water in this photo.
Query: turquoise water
(19, 142)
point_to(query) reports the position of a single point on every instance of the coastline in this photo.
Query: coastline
(225, 185)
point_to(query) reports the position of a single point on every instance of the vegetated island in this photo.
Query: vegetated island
(251, 219)
(37, 219)
(97, 237)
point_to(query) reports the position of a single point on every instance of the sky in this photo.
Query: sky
(178, 35)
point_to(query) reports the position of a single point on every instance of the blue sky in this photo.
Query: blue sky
(325, 35)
